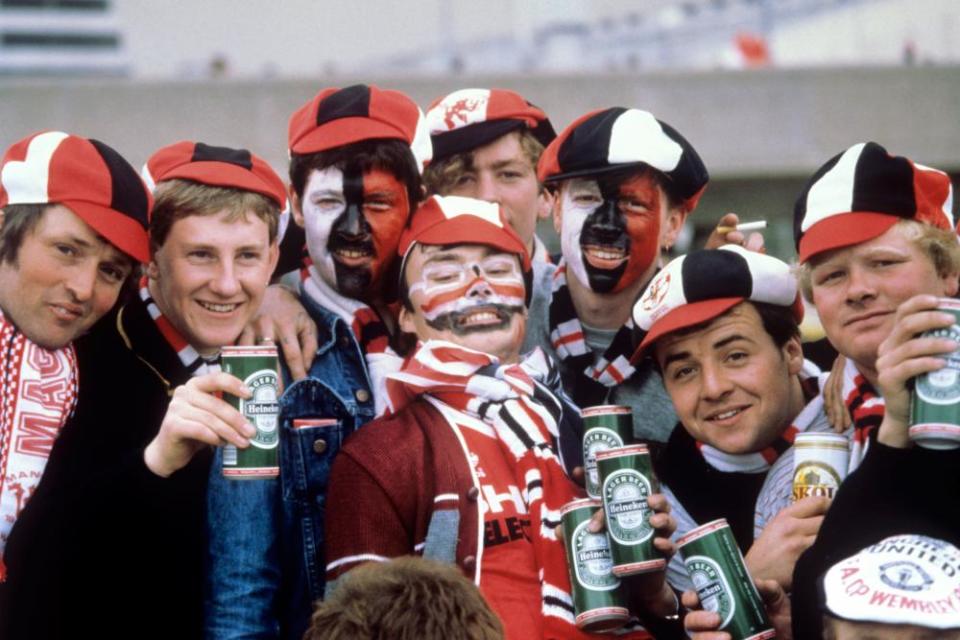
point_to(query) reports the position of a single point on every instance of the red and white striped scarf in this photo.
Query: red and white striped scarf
(368, 328)
(760, 461)
(196, 364)
(567, 338)
(866, 408)
(38, 392)
(515, 401)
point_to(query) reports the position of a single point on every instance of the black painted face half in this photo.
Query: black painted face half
(604, 242)
(351, 240)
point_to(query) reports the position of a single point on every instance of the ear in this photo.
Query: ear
(950, 284)
(274, 254)
(672, 224)
(556, 205)
(151, 269)
(545, 202)
(793, 351)
(406, 321)
(295, 205)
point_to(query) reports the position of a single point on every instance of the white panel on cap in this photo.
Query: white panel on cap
(454, 206)
(459, 109)
(772, 280)
(26, 181)
(833, 192)
(421, 146)
(150, 182)
(638, 137)
(662, 295)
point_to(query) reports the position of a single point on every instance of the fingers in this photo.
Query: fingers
(578, 475)
(809, 507)
(597, 522)
(724, 233)
(690, 600)
(293, 356)
(248, 336)
(755, 243)
(212, 383)
(190, 408)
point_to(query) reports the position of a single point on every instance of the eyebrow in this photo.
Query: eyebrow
(683, 355)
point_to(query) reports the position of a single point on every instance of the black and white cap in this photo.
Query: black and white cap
(704, 284)
(903, 580)
(860, 193)
(617, 138)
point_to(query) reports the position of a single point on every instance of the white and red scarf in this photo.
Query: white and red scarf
(196, 364)
(761, 461)
(38, 392)
(866, 408)
(515, 401)
(368, 328)
(566, 336)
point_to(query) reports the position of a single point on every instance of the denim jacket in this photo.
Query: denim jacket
(265, 564)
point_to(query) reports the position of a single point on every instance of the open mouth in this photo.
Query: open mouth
(487, 317)
(481, 317)
(604, 256)
(214, 307)
(727, 414)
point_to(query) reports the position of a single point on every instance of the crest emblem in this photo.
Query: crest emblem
(656, 292)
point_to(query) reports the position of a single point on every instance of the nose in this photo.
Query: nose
(225, 282)
(351, 224)
(861, 285)
(479, 288)
(82, 281)
(487, 187)
(606, 220)
(715, 385)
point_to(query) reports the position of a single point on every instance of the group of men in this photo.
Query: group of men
(435, 361)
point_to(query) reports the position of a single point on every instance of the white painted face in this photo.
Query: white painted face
(323, 202)
(578, 199)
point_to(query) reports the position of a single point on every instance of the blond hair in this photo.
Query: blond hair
(441, 176)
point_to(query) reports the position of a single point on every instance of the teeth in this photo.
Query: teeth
(481, 318)
(726, 414)
(219, 308)
(605, 254)
(351, 253)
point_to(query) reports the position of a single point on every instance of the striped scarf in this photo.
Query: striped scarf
(38, 392)
(866, 408)
(194, 363)
(368, 328)
(760, 461)
(567, 338)
(516, 402)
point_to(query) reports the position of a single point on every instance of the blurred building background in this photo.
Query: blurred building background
(766, 90)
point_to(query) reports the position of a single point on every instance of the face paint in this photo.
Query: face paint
(610, 230)
(353, 223)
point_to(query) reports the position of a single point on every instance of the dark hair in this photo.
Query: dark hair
(386, 154)
(18, 221)
(440, 176)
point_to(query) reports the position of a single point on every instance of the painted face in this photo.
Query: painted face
(353, 223)
(610, 230)
(210, 275)
(857, 290)
(471, 295)
(65, 278)
(731, 386)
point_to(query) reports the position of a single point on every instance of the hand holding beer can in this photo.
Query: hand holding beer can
(627, 480)
(604, 427)
(820, 463)
(720, 577)
(935, 399)
(257, 367)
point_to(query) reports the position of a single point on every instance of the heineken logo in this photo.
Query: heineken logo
(814, 478)
(595, 440)
(625, 494)
(592, 563)
(943, 386)
(712, 587)
(263, 408)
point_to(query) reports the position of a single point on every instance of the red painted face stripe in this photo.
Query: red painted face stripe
(513, 291)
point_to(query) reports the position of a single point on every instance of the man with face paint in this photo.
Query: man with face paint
(466, 469)
(355, 155)
(624, 183)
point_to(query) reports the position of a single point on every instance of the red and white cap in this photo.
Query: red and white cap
(470, 118)
(215, 166)
(903, 580)
(705, 284)
(86, 176)
(336, 117)
(860, 193)
(617, 138)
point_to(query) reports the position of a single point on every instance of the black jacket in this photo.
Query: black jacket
(105, 548)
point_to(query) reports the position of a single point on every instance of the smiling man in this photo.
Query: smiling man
(624, 183)
(722, 327)
(122, 524)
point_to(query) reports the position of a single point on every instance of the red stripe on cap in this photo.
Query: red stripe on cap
(932, 189)
(844, 230)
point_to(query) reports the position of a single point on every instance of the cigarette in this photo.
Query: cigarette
(744, 226)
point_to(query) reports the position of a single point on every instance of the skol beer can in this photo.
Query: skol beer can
(820, 462)
(257, 367)
(720, 577)
(604, 427)
(935, 401)
(597, 601)
(626, 481)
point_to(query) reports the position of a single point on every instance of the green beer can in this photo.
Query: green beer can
(935, 400)
(626, 481)
(720, 577)
(257, 367)
(604, 427)
(597, 601)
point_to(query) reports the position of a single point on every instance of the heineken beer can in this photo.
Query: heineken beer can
(626, 481)
(820, 462)
(604, 427)
(257, 368)
(720, 577)
(935, 401)
(597, 601)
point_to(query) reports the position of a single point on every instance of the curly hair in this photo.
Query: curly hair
(441, 176)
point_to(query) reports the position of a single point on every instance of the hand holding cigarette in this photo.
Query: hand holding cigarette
(730, 230)
(744, 226)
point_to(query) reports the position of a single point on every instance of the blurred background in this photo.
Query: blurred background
(766, 90)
